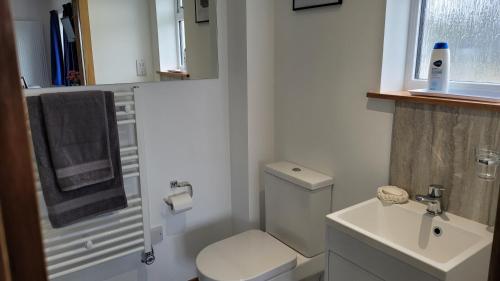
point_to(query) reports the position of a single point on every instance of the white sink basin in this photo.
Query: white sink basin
(442, 246)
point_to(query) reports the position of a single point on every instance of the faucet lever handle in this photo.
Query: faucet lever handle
(436, 190)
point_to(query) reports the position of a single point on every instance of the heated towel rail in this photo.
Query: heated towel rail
(110, 236)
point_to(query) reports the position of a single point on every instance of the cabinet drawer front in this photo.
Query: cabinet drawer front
(341, 269)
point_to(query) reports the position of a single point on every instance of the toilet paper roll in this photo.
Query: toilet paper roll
(180, 203)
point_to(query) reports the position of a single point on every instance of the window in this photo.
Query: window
(472, 29)
(181, 38)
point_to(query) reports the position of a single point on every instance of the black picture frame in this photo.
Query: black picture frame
(201, 16)
(332, 2)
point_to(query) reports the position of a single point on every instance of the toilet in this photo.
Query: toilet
(297, 200)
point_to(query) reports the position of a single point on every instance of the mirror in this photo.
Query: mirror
(98, 42)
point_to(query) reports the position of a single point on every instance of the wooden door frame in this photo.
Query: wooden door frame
(82, 17)
(18, 198)
(4, 255)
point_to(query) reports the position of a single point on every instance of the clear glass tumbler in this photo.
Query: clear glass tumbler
(487, 161)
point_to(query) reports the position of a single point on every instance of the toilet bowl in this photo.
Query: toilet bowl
(292, 248)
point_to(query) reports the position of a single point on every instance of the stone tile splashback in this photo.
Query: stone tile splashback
(436, 144)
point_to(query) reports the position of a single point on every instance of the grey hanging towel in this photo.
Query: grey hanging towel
(78, 138)
(68, 207)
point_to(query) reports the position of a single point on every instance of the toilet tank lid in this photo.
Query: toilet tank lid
(299, 175)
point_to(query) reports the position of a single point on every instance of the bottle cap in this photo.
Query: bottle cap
(441, 45)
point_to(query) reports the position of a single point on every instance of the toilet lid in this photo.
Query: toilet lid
(250, 256)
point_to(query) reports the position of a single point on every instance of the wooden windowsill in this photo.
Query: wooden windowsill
(174, 74)
(406, 96)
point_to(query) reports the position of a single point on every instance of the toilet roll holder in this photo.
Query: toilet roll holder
(177, 185)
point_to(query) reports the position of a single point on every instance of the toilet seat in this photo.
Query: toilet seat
(249, 256)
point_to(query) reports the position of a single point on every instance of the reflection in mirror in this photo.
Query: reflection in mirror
(97, 42)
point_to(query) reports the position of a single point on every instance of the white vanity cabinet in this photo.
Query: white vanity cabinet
(343, 269)
(350, 259)
(376, 241)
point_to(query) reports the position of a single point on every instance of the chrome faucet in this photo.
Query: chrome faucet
(434, 199)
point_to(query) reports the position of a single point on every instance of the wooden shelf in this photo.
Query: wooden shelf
(174, 74)
(406, 96)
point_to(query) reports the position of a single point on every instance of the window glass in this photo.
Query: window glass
(472, 29)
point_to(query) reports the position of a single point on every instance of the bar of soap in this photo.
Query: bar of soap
(392, 190)
(392, 194)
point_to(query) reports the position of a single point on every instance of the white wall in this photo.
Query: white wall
(326, 60)
(29, 10)
(308, 73)
(32, 10)
(238, 113)
(187, 138)
(260, 56)
(395, 45)
(251, 100)
(121, 34)
(35, 11)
